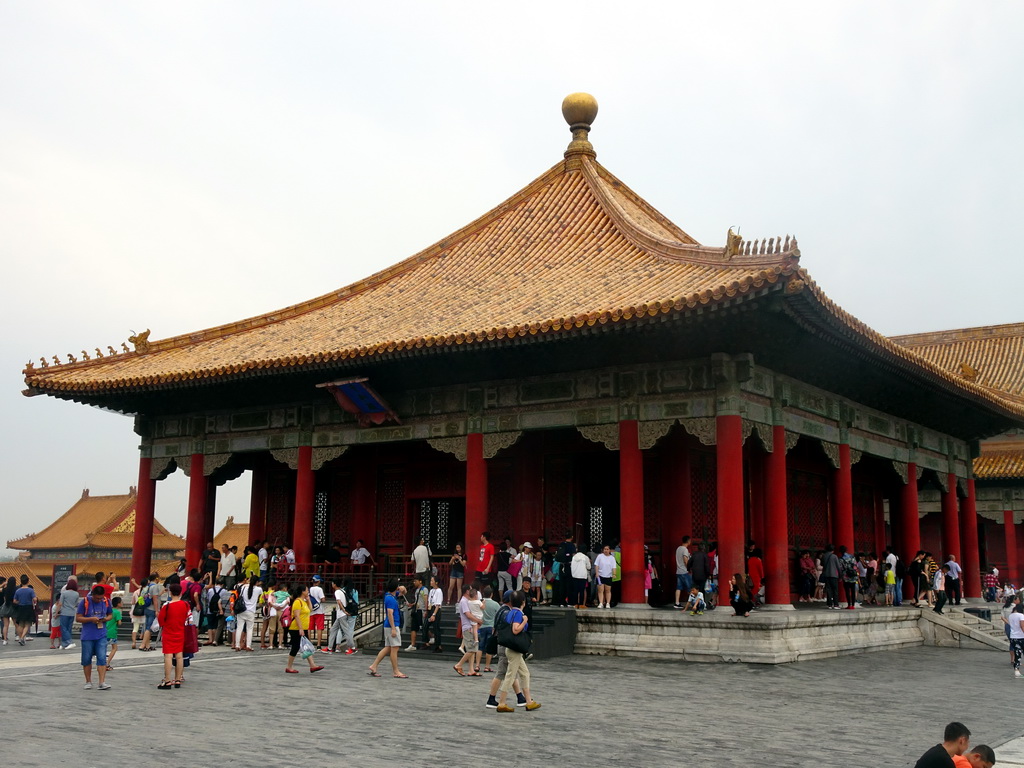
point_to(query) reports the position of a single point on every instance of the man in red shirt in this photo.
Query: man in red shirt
(108, 589)
(485, 560)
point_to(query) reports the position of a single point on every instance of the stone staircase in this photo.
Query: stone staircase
(958, 628)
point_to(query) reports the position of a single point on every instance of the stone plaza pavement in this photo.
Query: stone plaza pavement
(873, 709)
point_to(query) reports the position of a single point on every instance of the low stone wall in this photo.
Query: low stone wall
(766, 637)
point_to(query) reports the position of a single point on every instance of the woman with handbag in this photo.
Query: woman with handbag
(512, 635)
(7, 605)
(298, 627)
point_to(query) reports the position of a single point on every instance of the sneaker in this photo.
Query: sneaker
(21, 641)
(520, 700)
(30, 638)
(5, 641)
(1016, 673)
(527, 657)
(69, 646)
(410, 647)
(504, 708)
(492, 701)
(677, 605)
(88, 686)
(532, 706)
(104, 686)
(350, 651)
(326, 650)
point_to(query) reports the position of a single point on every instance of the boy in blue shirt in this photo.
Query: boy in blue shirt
(94, 611)
(392, 631)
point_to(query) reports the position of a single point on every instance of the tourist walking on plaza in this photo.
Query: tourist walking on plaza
(392, 632)
(172, 617)
(456, 572)
(346, 613)
(25, 602)
(516, 621)
(418, 613)
(470, 638)
(939, 588)
(92, 613)
(276, 601)
(1014, 622)
(7, 606)
(112, 625)
(251, 596)
(68, 600)
(1009, 604)
(830, 574)
(298, 628)
(151, 604)
(433, 628)
(499, 675)
(316, 615)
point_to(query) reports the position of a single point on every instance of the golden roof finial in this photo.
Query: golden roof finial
(579, 111)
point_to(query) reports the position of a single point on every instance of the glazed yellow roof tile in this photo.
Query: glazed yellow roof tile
(90, 522)
(15, 568)
(999, 465)
(992, 355)
(574, 247)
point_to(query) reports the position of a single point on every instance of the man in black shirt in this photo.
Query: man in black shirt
(955, 741)
(211, 559)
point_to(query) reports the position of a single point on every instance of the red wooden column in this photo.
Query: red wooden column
(196, 529)
(842, 503)
(258, 506)
(302, 529)
(631, 512)
(677, 506)
(1011, 545)
(950, 523)
(211, 512)
(969, 560)
(476, 497)
(145, 508)
(910, 526)
(756, 461)
(729, 464)
(776, 553)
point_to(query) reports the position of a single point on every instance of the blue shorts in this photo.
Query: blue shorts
(683, 582)
(97, 648)
(482, 635)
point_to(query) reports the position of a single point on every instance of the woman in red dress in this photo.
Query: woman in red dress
(172, 617)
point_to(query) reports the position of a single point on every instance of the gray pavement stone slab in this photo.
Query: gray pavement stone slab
(872, 709)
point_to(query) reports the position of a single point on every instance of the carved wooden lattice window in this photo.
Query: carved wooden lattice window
(321, 519)
(500, 505)
(391, 507)
(426, 523)
(341, 507)
(558, 501)
(443, 529)
(596, 527)
(278, 503)
(807, 509)
(704, 496)
(652, 499)
(863, 518)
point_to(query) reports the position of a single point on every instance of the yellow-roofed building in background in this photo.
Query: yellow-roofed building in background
(95, 534)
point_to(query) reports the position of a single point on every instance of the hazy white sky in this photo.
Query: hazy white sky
(176, 166)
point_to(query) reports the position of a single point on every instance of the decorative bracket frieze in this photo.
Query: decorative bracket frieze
(855, 456)
(943, 481)
(456, 446)
(496, 441)
(184, 464)
(832, 451)
(792, 438)
(652, 431)
(962, 484)
(158, 467)
(607, 434)
(920, 471)
(322, 455)
(213, 462)
(903, 470)
(766, 434)
(703, 429)
(289, 456)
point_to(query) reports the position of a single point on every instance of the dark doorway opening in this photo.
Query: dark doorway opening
(440, 521)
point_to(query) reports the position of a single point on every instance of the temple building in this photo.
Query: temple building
(570, 362)
(992, 357)
(97, 534)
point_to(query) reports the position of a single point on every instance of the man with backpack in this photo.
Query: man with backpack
(564, 582)
(215, 616)
(151, 604)
(94, 611)
(830, 575)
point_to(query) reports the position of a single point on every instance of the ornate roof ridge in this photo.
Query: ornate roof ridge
(952, 335)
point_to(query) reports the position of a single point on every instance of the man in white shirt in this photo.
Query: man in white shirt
(953, 582)
(604, 564)
(683, 582)
(580, 568)
(227, 567)
(264, 557)
(316, 616)
(361, 555)
(421, 561)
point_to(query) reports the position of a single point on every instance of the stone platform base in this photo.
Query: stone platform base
(766, 637)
